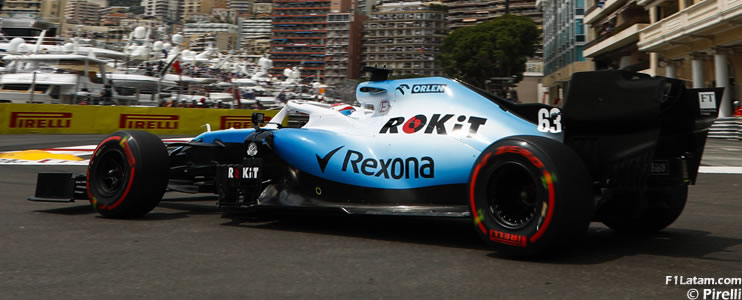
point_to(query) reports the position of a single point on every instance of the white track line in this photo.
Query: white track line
(719, 170)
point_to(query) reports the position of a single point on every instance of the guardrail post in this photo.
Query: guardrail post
(33, 87)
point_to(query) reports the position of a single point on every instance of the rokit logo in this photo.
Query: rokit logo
(243, 172)
(142, 121)
(422, 88)
(436, 124)
(395, 168)
(238, 122)
(40, 120)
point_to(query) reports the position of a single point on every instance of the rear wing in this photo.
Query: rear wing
(628, 125)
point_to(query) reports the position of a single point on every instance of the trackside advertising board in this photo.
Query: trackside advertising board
(82, 119)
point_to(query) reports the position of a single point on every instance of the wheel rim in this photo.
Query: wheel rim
(513, 196)
(111, 173)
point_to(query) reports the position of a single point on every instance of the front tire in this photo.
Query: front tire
(127, 174)
(528, 195)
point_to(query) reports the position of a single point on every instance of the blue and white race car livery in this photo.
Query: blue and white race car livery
(531, 177)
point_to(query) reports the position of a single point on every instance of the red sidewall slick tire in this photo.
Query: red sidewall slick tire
(529, 195)
(127, 174)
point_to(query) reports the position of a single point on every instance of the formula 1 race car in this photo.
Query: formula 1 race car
(622, 151)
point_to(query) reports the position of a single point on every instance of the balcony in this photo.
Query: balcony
(614, 40)
(595, 12)
(705, 20)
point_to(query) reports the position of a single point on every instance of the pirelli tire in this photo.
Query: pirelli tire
(664, 206)
(530, 196)
(127, 174)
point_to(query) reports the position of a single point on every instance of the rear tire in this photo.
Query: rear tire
(529, 195)
(666, 205)
(127, 174)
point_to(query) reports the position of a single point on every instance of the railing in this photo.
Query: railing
(697, 17)
(613, 31)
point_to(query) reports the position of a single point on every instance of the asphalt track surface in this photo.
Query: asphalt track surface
(190, 250)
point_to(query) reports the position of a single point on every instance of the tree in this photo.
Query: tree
(496, 48)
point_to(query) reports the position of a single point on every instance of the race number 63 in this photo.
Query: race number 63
(550, 120)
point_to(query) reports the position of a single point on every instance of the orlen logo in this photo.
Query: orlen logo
(422, 88)
(227, 122)
(428, 88)
(40, 120)
(436, 123)
(143, 121)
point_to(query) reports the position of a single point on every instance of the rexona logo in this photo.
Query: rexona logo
(227, 122)
(40, 120)
(142, 121)
(422, 88)
(395, 168)
(433, 124)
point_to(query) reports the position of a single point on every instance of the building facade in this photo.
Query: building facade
(101, 3)
(53, 11)
(170, 11)
(82, 12)
(689, 40)
(262, 8)
(613, 33)
(365, 7)
(564, 38)
(299, 36)
(255, 35)
(462, 13)
(204, 7)
(405, 37)
(242, 7)
(221, 35)
(343, 60)
(21, 8)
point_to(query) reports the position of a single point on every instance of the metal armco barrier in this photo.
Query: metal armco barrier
(91, 119)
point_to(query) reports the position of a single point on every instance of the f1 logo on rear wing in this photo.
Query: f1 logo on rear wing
(707, 102)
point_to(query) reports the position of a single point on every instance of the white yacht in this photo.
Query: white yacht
(52, 78)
